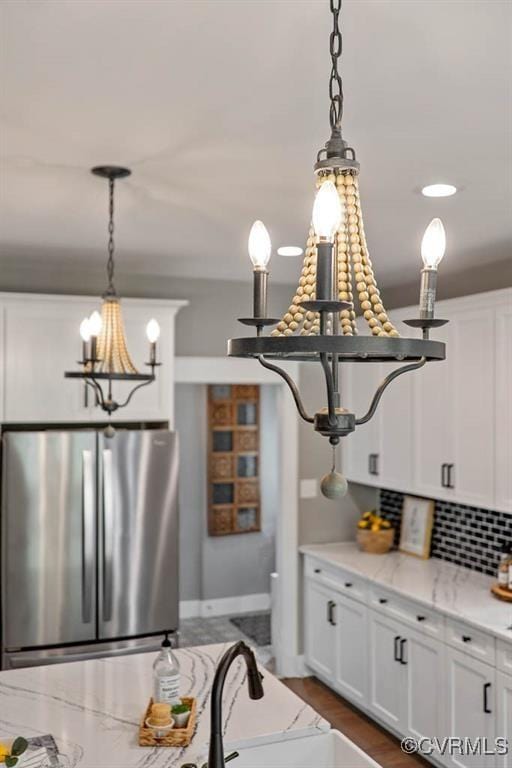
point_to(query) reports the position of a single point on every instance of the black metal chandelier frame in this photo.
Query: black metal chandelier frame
(92, 377)
(329, 348)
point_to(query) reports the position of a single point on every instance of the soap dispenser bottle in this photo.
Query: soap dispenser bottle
(166, 676)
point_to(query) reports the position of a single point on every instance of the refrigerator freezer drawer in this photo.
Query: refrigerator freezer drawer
(37, 658)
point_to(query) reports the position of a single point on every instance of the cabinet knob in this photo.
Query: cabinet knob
(348, 583)
(318, 570)
(466, 639)
(421, 618)
(383, 600)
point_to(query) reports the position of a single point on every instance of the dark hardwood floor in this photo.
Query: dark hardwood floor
(370, 737)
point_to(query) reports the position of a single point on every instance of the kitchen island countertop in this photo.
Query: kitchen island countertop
(93, 709)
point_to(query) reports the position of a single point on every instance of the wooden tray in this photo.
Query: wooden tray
(501, 593)
(177, 737)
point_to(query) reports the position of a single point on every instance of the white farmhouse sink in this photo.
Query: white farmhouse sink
(326, 750)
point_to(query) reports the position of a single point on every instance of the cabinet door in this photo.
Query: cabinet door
(351, 650)
(471, 705)
(394, 418)
(387, 674)
(320, 618)
(504, 716)
(503, 424)
(41, 342)
(472, 476)
(433, 396)
(361, 449)
(424, 657)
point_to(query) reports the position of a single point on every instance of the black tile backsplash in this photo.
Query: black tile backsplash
(466, 536)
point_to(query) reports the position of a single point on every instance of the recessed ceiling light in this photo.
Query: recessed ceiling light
(439, 190)
(289, 250)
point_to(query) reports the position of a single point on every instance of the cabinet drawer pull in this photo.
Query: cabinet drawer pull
(466, 639)
(348, 584)
(403, 643)
(331, 605)
(486, 691)
(318, 570)
(443, 476)
(383, 600)
(395, 647)
(421, 618)
(450, 483)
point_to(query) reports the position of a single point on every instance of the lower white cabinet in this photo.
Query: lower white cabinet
(504, 715)
(406, 676)
(320, 628)
(351, 672)
(387, 674)
(418, 683)
(335, 635)
(471, 688)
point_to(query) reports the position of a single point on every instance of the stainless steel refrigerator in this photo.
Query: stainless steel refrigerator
(89, 544)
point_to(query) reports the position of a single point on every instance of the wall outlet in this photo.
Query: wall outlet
(308, 489)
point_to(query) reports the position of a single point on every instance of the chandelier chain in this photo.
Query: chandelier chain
(335, 82)
(110, 247)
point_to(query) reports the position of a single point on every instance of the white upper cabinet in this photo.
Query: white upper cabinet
(40, 341)
(433, 396)
(503, 416)
(361, 449)
(444, 431)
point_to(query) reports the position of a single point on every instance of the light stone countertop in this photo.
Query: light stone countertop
(93, 709)
(454, 591)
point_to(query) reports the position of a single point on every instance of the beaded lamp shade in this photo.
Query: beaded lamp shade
(354, 268)
(113, 355)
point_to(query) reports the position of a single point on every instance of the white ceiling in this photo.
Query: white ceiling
(219, 107)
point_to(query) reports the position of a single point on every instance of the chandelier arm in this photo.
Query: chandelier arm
(331, 395)
(292, 386)
(383, 386)
(134, 390)
(97, 390)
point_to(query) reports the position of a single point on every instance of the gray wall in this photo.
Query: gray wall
(223, 566)
(201, 328)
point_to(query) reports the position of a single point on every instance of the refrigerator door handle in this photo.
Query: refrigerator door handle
(108, 533)
(88, 536)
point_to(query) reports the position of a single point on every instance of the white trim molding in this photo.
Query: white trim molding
(223, 606)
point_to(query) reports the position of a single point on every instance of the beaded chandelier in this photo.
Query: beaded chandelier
(105, 356)
(320, 323)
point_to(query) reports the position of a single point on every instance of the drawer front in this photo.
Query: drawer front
(472, 641)
(336, 578)
(504, 656)
(411, 613)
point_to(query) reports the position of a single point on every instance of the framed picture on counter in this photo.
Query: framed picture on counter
(416, 526)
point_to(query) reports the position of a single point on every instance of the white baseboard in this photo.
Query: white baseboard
(224, 605)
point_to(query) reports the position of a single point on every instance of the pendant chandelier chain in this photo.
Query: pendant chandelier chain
(111, 291)
(335, 82)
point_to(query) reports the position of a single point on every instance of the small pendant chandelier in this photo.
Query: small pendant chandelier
(105, 356)
(320, 323)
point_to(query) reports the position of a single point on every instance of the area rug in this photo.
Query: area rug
(254, 625)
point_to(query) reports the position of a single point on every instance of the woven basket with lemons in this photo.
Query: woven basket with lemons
(375, 534)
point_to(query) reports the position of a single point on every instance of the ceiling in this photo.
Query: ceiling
(219, 107)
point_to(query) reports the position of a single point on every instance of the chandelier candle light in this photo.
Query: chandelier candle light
(320, 324)
(105, 356)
